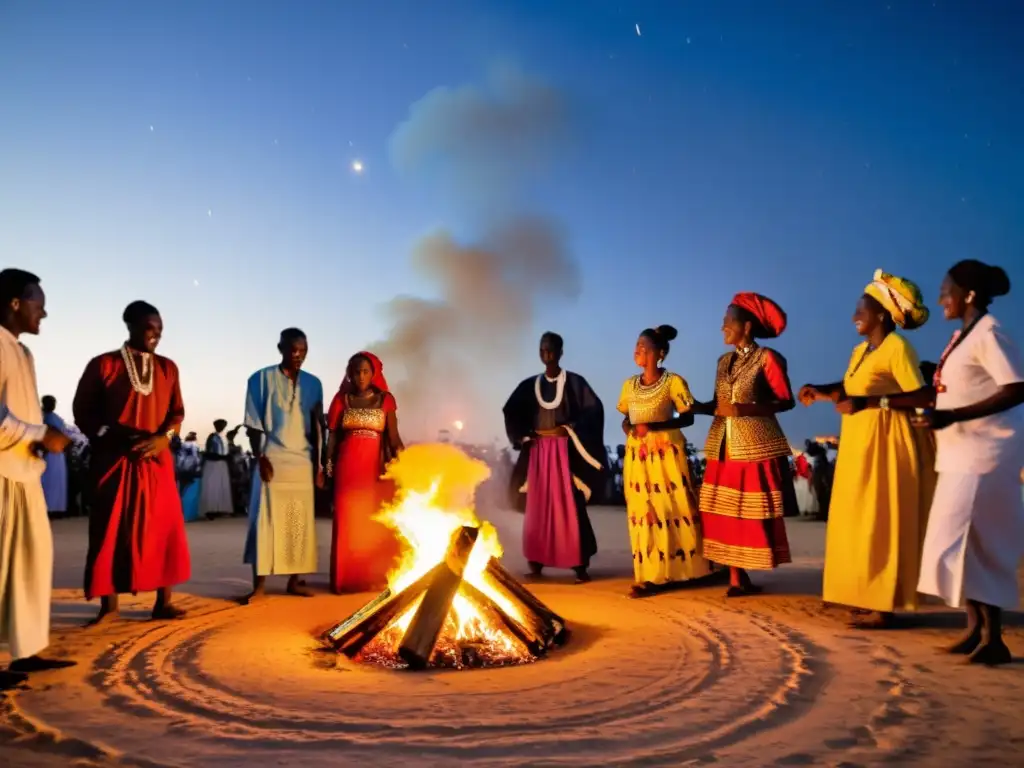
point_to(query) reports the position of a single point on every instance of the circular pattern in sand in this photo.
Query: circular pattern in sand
(658, 680)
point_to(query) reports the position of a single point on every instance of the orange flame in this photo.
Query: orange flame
(436, 485)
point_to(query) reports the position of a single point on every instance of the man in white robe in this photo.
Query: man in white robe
(284, 422)
(26, 543)
(55, 478)
(215, 498)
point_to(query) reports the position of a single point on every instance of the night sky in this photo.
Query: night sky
(234, 164)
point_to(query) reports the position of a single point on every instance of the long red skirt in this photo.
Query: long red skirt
(742, 505)
(137, 540)
(362, 549)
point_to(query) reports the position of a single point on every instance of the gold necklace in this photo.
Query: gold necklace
(141, 384)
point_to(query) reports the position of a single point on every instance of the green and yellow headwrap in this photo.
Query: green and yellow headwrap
(901, 299)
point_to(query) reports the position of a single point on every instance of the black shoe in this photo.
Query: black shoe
(992, 654)
(32, 664)
(10, 681)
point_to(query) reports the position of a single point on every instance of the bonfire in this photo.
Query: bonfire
(449, 601)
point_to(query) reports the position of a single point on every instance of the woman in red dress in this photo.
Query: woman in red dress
(129, 405)
(748, 484)
(363, 438)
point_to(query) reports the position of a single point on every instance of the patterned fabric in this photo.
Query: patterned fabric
(748, 483)
(649, 404)
(742, 505)
(757, 377)
(664, 531)
(901, 298)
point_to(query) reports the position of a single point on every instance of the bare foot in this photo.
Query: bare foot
(640, 591)
(967, 644)
(298, 590)
(743, 590)
(872, 620)
(253, 597)
(103, 617)
(168, 613)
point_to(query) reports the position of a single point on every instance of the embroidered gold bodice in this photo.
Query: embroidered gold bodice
(363, 422)
(746, 438)
(651, 403)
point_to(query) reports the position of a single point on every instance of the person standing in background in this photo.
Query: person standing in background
(55, 478)
(215, 492)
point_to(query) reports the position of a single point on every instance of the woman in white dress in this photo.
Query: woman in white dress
(975, 536)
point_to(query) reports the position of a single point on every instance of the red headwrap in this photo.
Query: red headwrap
(768, 314)
(378, 381)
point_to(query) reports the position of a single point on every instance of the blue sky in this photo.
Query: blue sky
(198, 155)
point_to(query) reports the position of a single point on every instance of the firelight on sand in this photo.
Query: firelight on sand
(449, 602)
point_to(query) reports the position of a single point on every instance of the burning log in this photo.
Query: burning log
(534, 641)
(553, 628)
(421, 636)
(352, 635)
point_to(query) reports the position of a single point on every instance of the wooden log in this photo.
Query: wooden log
(421, 636)
(558, 630)
(338, 632)
(535, 643)
(352, 635)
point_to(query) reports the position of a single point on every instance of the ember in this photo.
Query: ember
(450, 603)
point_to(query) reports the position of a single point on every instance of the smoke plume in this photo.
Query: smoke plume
(481, 147)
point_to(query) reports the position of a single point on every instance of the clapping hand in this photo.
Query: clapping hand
(808, 395)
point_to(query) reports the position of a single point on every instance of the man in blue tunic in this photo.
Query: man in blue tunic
(284, 423)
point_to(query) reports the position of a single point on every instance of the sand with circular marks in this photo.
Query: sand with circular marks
(686, 678)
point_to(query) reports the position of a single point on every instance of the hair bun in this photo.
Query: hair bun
(998, 281)
(667, 332)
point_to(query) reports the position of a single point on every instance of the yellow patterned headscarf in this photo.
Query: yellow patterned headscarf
(900, 297)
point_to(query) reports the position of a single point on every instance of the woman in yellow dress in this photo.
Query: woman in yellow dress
(664, 528)
(885, 470)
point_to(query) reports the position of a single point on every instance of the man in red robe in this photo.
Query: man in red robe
(129, 405)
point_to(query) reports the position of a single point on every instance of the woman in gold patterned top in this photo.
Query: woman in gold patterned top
(660, 503)
(363, 424)
(748, 484)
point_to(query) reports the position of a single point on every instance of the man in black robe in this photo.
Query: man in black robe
(556, 422)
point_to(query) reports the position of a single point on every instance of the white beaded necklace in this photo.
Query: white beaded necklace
(559, 382)
(144, 384)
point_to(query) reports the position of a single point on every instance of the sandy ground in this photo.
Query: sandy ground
(686, 678)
